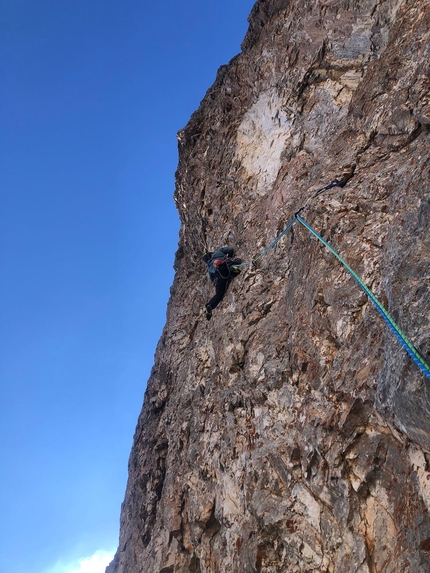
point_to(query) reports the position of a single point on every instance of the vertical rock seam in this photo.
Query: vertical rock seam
(291, 433)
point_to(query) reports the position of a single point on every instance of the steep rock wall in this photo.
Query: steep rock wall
(292, 432)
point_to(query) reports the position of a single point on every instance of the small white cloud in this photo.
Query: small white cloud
(96, 563)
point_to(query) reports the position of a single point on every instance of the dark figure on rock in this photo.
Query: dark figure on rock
(222, 268)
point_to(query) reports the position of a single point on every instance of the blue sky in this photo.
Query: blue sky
(92, 94)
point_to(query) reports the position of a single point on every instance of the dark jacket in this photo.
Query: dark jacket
(221, 271)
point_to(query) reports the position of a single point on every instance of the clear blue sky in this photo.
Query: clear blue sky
(92, 93)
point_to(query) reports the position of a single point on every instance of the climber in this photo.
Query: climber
(221, 270)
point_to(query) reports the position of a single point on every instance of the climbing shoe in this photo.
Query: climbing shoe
(208, 311)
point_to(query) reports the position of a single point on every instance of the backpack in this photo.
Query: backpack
(214, 268)
(223, 267)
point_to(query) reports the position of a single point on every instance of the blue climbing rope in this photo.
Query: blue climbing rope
(402, 338)
(278, 238)
(335, 183)
(404, 341)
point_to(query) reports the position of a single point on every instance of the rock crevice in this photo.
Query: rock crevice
(292, 432)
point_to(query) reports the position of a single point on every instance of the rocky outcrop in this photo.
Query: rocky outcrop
(292, 432)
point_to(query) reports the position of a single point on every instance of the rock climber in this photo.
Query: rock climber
(221, 270)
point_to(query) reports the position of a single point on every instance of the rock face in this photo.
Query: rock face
(291, 433)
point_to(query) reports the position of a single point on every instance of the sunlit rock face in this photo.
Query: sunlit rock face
(291, 432)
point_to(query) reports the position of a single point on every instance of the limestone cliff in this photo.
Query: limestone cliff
(291, 433)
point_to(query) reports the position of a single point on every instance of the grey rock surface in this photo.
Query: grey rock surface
(291, 433)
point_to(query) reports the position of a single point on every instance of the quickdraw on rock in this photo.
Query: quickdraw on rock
(401, 337)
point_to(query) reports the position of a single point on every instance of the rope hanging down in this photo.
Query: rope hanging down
(278, 238)
(401, 337)
(404, 341)
(335, 183)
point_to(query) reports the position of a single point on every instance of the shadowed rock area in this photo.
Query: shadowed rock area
(291, 433)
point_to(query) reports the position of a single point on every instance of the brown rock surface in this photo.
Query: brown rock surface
(291, 433)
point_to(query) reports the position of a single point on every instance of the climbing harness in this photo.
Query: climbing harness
(219, 271)
(217, 267)
(401, 337)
